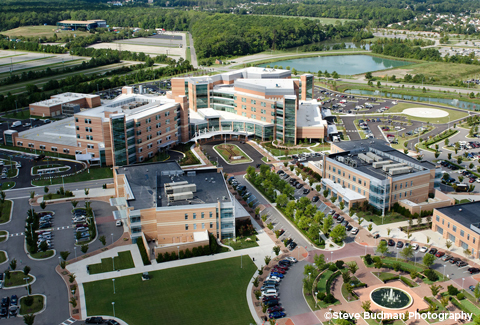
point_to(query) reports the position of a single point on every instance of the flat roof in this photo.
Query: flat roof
(147, 181)
(61, 132)
(199, 118)
(62, 99)
(80, 21)
(308, 114)
(343, 191)
(466, 214)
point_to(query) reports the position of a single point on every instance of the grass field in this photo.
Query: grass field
(41, 255)
(243, 243)
(95, 173)
(389, 217)
(444, 73)
(453, 114)
(40, 31)
(5, 209)
(206, 293)
(3, 257)
(34, 308)
(123, 261)
(231, 150)
(17, 279)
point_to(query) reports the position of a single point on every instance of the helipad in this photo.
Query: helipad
(425, 112)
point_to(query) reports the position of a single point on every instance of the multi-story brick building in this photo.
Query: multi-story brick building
(460, 224)
(56, 104)
(370, 170)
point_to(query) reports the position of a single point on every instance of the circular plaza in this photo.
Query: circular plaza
(425, 112)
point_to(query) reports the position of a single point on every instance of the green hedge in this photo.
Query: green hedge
(459, 305)
(330, 280)
(143, 252)
(408, 282)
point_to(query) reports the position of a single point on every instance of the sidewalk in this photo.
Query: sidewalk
(265, 153)
(94, 194)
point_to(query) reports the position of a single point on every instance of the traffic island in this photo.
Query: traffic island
(17, 279)
(232, 154)
(32, 304)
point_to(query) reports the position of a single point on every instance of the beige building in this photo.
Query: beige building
(66, 103)
(370, 170)
(170, 206)
(460, 224)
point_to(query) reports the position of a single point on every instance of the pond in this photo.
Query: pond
(342, 64)
(452, 102)
(392, 298)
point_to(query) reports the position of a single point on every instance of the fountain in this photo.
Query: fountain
(391, 298)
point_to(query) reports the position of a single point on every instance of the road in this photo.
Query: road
(234, 168)
(193, 54)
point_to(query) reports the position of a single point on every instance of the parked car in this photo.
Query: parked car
(315, 198)
(111, 322)
(14, 300)
(94, 320)
(274, 308)
(391, 242)
(292, 246)
(399, 244)
(432, 251)
(306, 191)
(423, 249)
(291, 259)
(277, 314)
(454, 260)
(273, 278)
(439, 254)
(461, 263)
(447, 258)
(473, 270)
(349, 227)
(472, 288)
(354, 231)
(270, 303)
(277, 274)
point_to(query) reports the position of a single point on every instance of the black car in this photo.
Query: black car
(268, 298)
(376, 236)
(315, 199)
(112, 322)
(258, 165)
(461, 263)
(5, 302)
(292, 246)
(399, 244)
(280, 172)
(14, 300)
(13, 311)
(433, 251)
(94, 320)
(271, 303)
(306, 191)
(391, 242)
(299, 185)
(349, 227)
(286, 176)
(473, 270)
(285, 262)
(289, 240)
(454, 260)
(3, 312)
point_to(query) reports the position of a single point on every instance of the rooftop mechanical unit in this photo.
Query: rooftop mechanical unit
(365, 158)
(399, 171)
(388, 167)
(374, 156)
(180, 196)
(180, 189)
(380, 164)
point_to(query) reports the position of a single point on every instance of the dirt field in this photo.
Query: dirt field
(28, 60)
(399, 73)
(151, 49)
(39, 31)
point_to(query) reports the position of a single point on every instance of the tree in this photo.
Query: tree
(370, 227)
(467, 252)
(73, 301)
(444, 300)
(352, 267)
(71, 277)
(84, 248)
(368, 75)
(13, 264)
(447, 142)
(428, 260)
(448, 243)
(294, 71)
(449, 156)
(103, 240)
(45, 189)
(414, 275)
(43, 205)
(74, 203)
(282, 200)
(338, 233)
(327, 223)
(389, 230)
(366, 305)
(29, 319)
(32, 194)
(476, 292)
(382, 248)
(407, 252)
(319, 261)
(437, 154)
(26, 270)
(435, 289)
(267, 259)
(276, 250)
(86, 191)
(64, 255)
(256, 281)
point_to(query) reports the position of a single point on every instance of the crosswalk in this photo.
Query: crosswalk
(49, 229)
(68, 321)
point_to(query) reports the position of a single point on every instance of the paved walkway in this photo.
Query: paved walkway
(80, 194)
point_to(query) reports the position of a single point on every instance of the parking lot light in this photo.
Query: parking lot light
(113, 280)
(113, 305)
(444, 267)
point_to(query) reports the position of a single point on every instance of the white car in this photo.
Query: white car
(273, 278)
(415, 246)
(291, 259)
(354, 231)
(423, 249)
(118, 223)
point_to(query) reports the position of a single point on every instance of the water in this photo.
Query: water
(342, 64)
(452, 102)
(390, 298)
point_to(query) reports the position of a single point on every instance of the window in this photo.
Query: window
(54, 149)
(89, 137)
(443, 221)
(186, 216)
(263, 119)
(272, 113)
(167, 113)
(454, 228)
(437, 218)
(167, 121)
(272, 105)
(194, 215)
(140, 149)
(90, 146)
(406, 184)
(203, 226)
(411, 183)
(272, 120)
(339, 172)
(76, 119)
(78, 128)
(149, 128)
(139, 141)
(159, 133)
(157, 117)
(167, 129)
(359, 181)
(253, 116)
(400, 195)
(401, 185)
(244, 106)
(462, 233)
(66, 150)
(211, 214)
(19, 143)
(194, 226)
(42, 147)
(158, 125)
(149, 146)
(405, 194)
(395, 196)
(138, 124)
(395, 187)
(244, 100)
(168, 137)
(186, 227)
(410, 192)
(253, 101)
(139, 132)
(253, 109)
(148, 120)
(263, 111)
(88, 130)
(263, 104)
(211, 225)
(448, 225)
(149, 137)
(244, 114)
(203, 215)
(159, 141)
(31, 145)
(88, 121)
(354, 178)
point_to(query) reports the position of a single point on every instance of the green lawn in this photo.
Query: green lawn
(41, 255)
(454, 115)
(3, 257)
(321, 147)
(282, 152)
(390, 217)
(53, 196)
(16, 279)
(23, 115)
(243, 243)
(5, 209)
(7, 185)
(95, 173)
(206, 293)
(470, 306)
(385, 276)
(39, 31)
(231, 150)
(36, 306)
(3, 235)
(123, 261)
(12, 172)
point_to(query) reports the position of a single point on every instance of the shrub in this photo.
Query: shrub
(460, 296)
(339, 264)
(368, 259)
(143, 252)
(321, 295)
(431, 275)
(332, 267)
(329, 299)
(452, 290)
(181, 254)
(159, 258)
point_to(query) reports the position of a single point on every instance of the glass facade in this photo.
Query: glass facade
(228, 223)
(118, 136)
(268, 133)
(379, 195)
(290, 126)
(309, 85)
(8, 140)
(201, 96)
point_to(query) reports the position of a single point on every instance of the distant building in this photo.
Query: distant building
(75, 24)
(57, 104)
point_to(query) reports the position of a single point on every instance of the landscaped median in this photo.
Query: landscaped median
(87, 175)
(31, 304)
(16, 279)
(205, 293)
(123, 261)
(425, 145)
(232, 154)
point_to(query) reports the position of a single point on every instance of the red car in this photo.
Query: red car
(274, 308)
(281, 267)
(387, 107)
(439, 254)
(282, 271)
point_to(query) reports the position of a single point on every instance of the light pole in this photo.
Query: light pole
(178, 252)
(75, 249)
(112, 237)
(444, 267)
(113, 305)
(26, 284)
(463, 280)
(113, 261)
(241, 261)
(113, 280)
(331, 256)
(416, 258)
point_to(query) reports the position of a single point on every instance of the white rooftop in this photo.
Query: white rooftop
(309, 114)
(198, 118)
(61, 132)
(62, 98)
(344, 192)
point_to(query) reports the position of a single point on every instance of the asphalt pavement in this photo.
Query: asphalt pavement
(234, 168)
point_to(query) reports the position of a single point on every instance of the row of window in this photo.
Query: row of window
(159, 141)
(454, 228)
(87, 120)
(195, 226)
(400, 195)
(195, 215)
(406, 185)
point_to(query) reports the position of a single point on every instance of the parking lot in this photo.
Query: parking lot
(444, 267)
